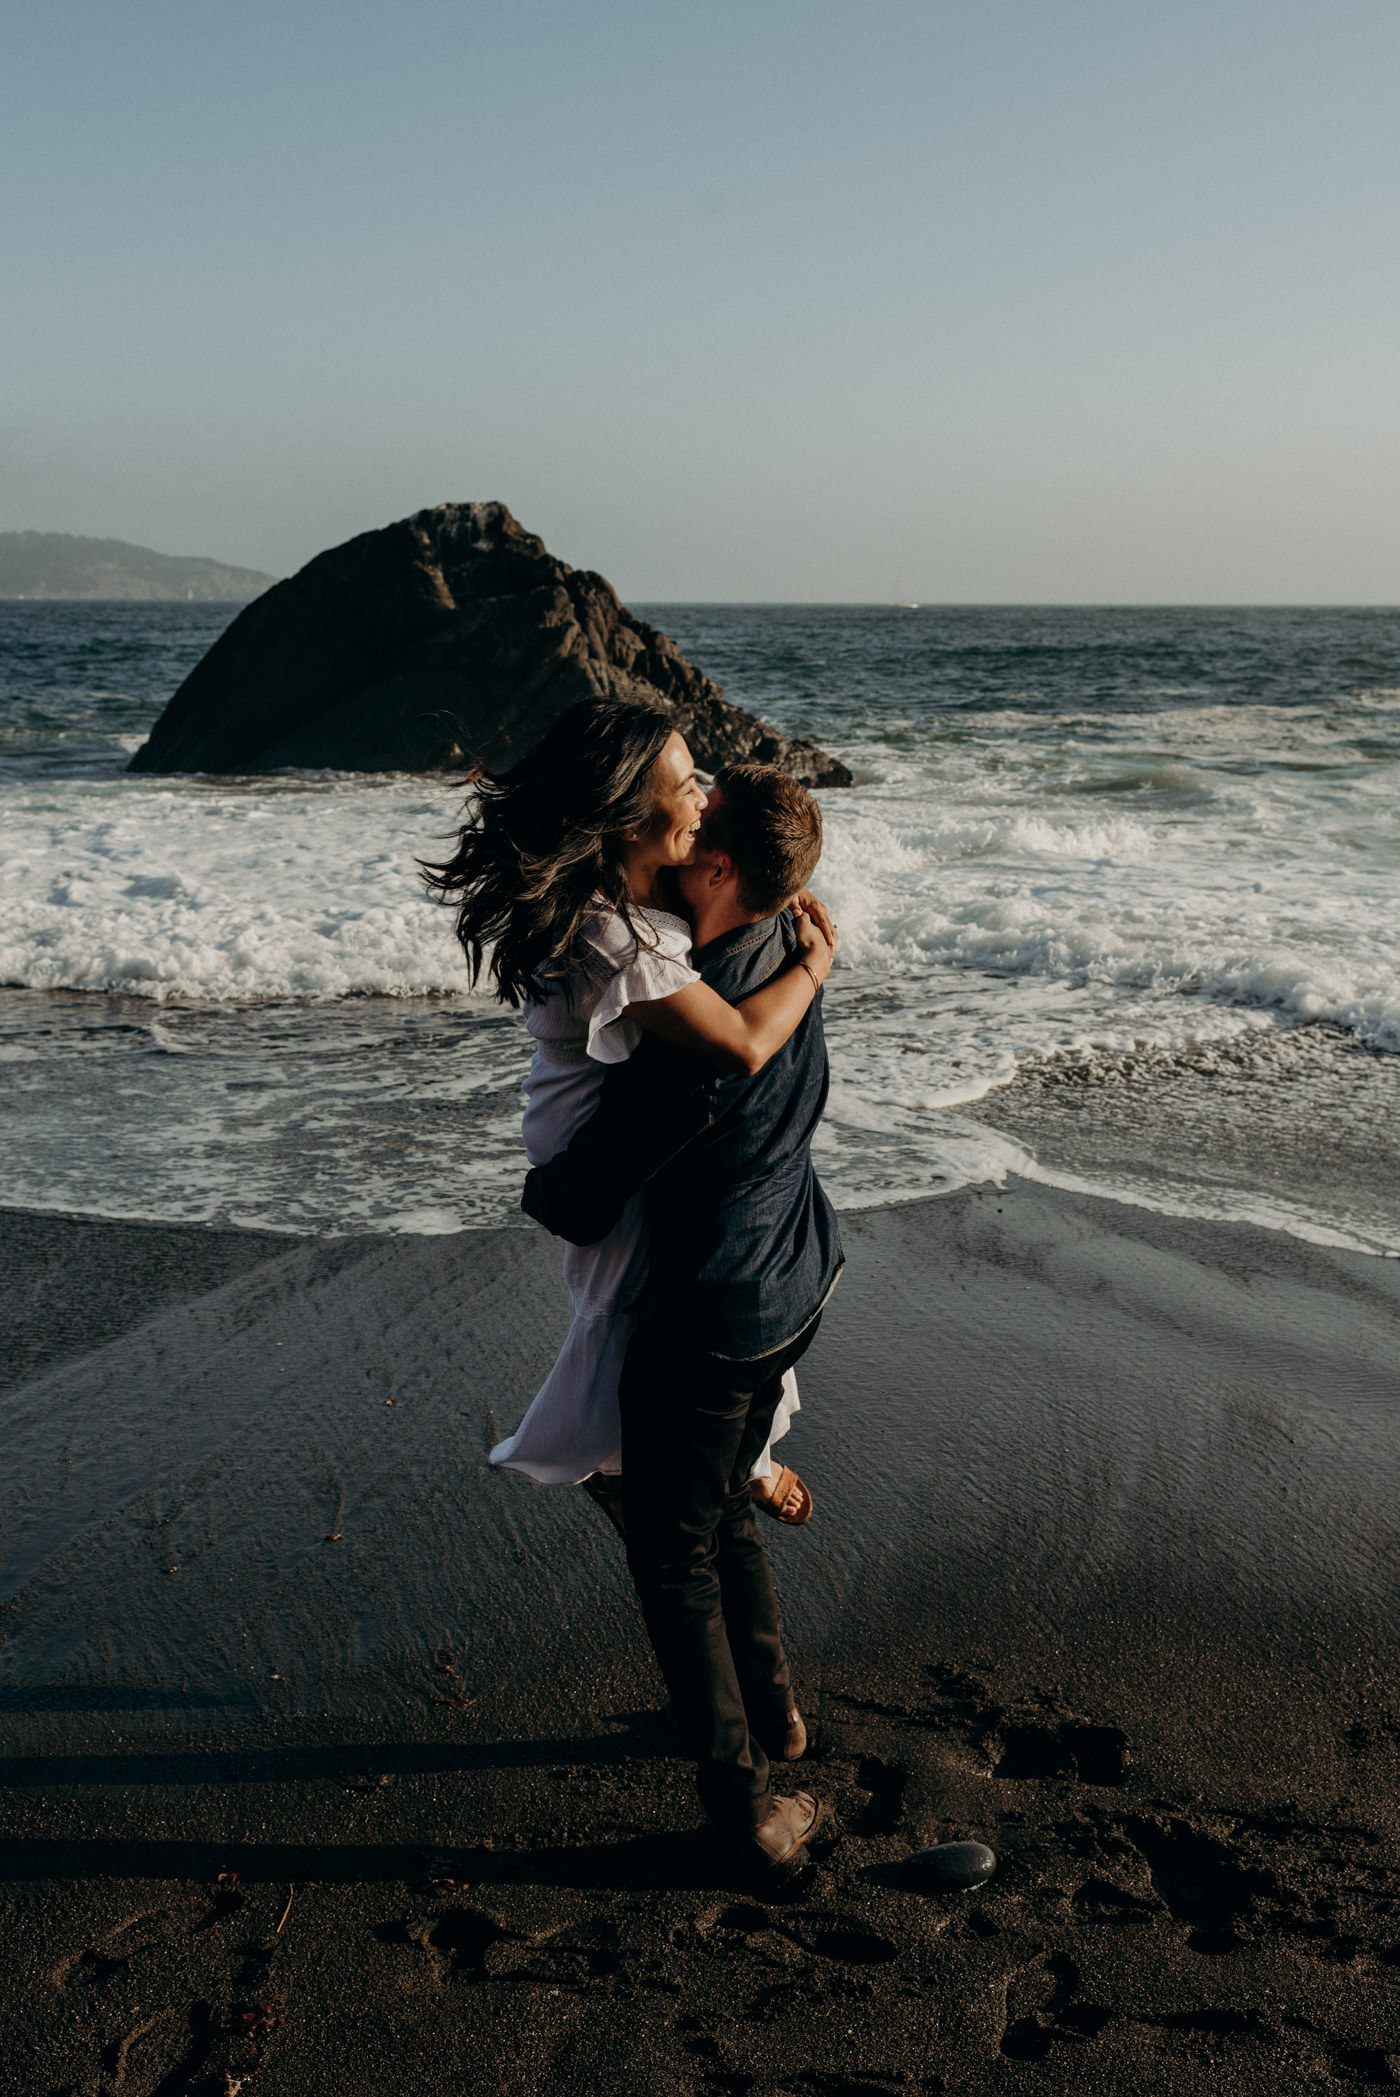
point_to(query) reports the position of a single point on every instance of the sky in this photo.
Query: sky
(759, 300)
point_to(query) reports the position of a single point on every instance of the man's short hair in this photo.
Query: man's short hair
(772, 830)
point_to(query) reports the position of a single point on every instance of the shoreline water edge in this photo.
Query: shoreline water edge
(1087, 854)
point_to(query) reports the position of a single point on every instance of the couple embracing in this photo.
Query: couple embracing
(670, 957)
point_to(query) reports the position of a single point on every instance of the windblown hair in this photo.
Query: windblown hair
(541, 844)
(772, 830)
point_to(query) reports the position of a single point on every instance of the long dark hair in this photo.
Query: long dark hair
(541, 843)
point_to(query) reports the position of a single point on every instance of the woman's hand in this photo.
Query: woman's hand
(814, 950)
(813, 907)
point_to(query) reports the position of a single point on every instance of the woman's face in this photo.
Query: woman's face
(680, 801)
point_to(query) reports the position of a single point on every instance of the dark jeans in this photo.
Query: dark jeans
(693, 1425)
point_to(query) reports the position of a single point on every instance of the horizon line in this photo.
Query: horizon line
(922, 604)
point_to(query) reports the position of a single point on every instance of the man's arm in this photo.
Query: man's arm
(650, 1107)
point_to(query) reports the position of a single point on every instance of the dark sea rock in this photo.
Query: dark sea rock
(949, 1867)
(449, 639)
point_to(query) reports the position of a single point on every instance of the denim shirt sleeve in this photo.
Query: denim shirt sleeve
(650, 1107)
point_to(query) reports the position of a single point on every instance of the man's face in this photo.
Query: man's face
(694, 879)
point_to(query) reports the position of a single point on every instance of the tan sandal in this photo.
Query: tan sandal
(783, 1496)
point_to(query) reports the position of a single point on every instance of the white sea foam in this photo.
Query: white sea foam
(1273, 885)
(302, 889)
(1005, 893)
(1278, 891)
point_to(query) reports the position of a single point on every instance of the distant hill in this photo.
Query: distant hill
(55, 564)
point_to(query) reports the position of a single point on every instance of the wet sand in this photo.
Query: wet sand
(1103, 1571)
(1290, 1127)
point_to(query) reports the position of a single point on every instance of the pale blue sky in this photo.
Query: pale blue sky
(1019, 300)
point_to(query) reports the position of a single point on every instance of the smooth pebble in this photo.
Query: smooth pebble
(950, 1866)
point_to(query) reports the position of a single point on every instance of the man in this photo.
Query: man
(744, 1253)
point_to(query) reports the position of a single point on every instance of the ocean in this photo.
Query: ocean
(1119, 894)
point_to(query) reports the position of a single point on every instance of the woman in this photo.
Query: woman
(562, 869)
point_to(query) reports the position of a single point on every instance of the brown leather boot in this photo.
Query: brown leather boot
(791, 1744)
(777, 1848)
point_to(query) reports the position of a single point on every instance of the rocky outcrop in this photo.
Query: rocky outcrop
(450, 639)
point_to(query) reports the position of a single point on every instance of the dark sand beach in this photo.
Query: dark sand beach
(332, 1758)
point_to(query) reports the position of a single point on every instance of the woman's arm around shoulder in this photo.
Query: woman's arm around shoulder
(742, 1038)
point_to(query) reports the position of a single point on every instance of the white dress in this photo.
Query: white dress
(573, 1426)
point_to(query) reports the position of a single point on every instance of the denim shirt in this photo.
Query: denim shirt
(745, 1247)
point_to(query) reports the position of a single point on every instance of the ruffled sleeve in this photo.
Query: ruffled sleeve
(630, 973)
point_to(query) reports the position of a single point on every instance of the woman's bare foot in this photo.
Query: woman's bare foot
(783, 1496)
